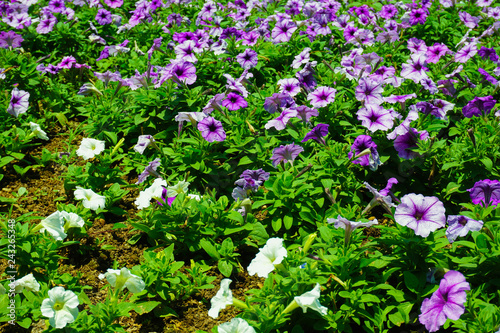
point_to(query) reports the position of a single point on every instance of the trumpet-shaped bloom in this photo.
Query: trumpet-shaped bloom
(72, 220)
(479, 106)
(369, 91)
(349, 226)
(310, 300)
(223, 298)
(283, 30)
(54, 225)
(446, 302)
(91, 200)
(422, 214)
(459, 225)
(360, 144)
(317, 134)
(180, 187)
(121, 279)
(150, 170)
(236, 325)
(286, 153)
(289, 86)
(247, 59)
(281, 121)
(90, 148)
(154, 191)
(322, 96)
(374, 118)
(234, 102)
(29, 282)
(19, 102)
(485, 192)
(61, 307)
(211, 129)
(143, 142)
(37, 130)
(271, 254)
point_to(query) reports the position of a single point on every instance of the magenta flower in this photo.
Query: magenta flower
(459, 225)
(283, 30)
(446, 302)
(234, 102)
(466, 52)
(435, 52)
(374, 117)
(369, 92)
(67, 62)
(479, 106)
(211, 130)
(10, 39)
(317, 134)
(404, 144)
(485, 192)
(19, 102)
(247, 59)
(56, 6)
(286, 153)
(281, 121)
(322, 96)
(183, 71)
(418, 16)
(421, 214)
(388, 11)
(103, 17)
(114, 3)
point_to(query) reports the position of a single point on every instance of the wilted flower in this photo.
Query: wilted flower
(87, 89)
(460, 225)
(271, 254)
(61, 307)
(180, 187)
(29, 282)
(446, 302)
(72, 220)
(223, 298)
(422, 214)
(121, 279)
(90, 148)
(143, 142)
(91, 200)
(381, 197)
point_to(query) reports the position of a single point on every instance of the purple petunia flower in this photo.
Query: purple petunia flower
(278, 101)
(286, 153)
(418, 16)
(247, 59)
(143, 142)
(108, 76)
(415, 68)
(479, 106)
(104, 54)
(289, 86)
(186, 51)
(349, 226)
(46, 24)
(67, 62)
(183, 71)
(10, 39)
(234, 102)
(305, 113)
(322, 96)
(150, 170)
(361, 144)
(19, 102)
(114, 3)
(211, 130)
(281, 121)
(374, 117)
(486, 53)
(488, 77)
(302, 58)
(446, 302)
(165, 199)
(459, 225)
(408, 141)
(382, 197)
(421, 214)
(369, 91)
(466, 52)
(306, 76)
(435, 52)
(485, 192)
(283, 30)
(56, 6)
(468, 20)
(388, 11)
(103, 17)
(317, 134)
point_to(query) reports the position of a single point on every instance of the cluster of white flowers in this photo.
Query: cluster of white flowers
(59, 222)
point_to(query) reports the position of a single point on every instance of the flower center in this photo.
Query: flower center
(418, 215)
(58, 306)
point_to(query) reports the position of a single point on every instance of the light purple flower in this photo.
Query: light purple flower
(374, 118)
(404, 127)
(46, 24)
(283, 30)
(479, 106)
(306, 76)
(150, 170)
(211, 130)
(466, 52)
(322, 96)
(369, 91)
(421, 214)
(302, 58)
(114, 3)
(10, 39)
(19, 102)
(349, 226)
(183, 71)
(108, 76)
(289, 86)
(435, 52)
(278, 101)
(247, 59)
(415, 68)
(468, 20)
(446, 302)
(186, 51)
(404, 144)
(286, 153)
(143, 142)
(382, 197)
(103, 17)
(317, 134)
(281, 121)
(305, 113)
(485, 192)
(460, 225)
(234, 102)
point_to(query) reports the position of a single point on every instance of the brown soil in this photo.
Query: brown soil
(45, 189)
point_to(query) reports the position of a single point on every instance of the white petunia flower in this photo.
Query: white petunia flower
(236, 325)
(154, 191)
(180, 187)
(310, 300)
(91, 200)
(223, 298)
(54, 225)
(121, 279)
(271, 254)
(72, 220)
(90, 148)
(29, 282)
(61, 307)
(37, 130)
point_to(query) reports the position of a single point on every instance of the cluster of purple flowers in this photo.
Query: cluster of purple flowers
(250, 180)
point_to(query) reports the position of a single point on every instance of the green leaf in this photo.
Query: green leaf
(146, 307)
(6, 160)
(225, 268)
(259, 233)
(488, 163)
(365, 298)
(288, 221)
(235, 216)
(210, 249)
(244, 161)
(411, 281)
(276, 224)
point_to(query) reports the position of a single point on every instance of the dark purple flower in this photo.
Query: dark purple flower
(490, 53)
(374, 117)
(211, 130)
(447, 87)
(446, 302)
(165, 199)
(421, 214)
(10, 39)
(460, 225)
(104, 54)
(150, 170)
(306, 76)
(286, 153)
(258, 176)
(322, 96)
(485, 192)
(406, 142)
(418, 16)
(479, 106)
(247, 59)
(103, 17)
(19, 102)
(488, 77)
(363, 144)
(388, 11)
(234, 102)
(250, 38)
(317, 134)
